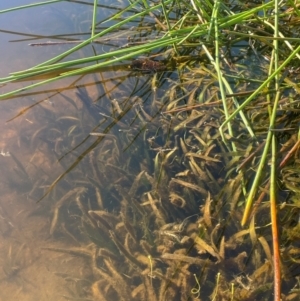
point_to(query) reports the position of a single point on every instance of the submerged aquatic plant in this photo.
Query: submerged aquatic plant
(174, 172)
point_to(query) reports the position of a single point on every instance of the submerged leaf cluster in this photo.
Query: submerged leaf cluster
(160, 200)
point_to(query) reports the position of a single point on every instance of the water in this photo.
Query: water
(28, 272)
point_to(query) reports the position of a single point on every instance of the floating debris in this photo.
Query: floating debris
(147, 65)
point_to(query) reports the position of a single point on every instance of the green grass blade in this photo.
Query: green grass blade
(29, 6)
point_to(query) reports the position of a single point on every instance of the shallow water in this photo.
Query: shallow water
(42, 127)
(27, 161)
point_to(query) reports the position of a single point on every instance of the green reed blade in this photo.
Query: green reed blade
(94, 18)
(28, 6)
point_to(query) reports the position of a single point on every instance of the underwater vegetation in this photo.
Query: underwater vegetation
(159, 201)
